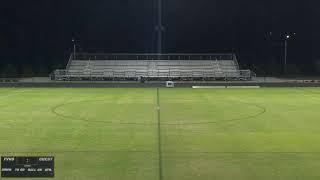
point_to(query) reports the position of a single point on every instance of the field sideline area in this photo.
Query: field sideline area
(166, 134)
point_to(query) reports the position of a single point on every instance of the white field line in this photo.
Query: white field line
(223, 87)
(243, 87)
(310, 95)
(14, 93)
(208, 87)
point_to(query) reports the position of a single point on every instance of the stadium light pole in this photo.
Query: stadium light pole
(286, 39)
(74, 48)
(159, 28)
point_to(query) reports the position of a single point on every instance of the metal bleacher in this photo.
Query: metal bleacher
(86, 66)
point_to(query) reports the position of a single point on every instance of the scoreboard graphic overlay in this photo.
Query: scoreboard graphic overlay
(18, 166)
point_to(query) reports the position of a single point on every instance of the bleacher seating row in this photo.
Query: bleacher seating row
(133, 69)
(156, 68)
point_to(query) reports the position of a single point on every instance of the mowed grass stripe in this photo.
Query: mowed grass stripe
(83, 150)
(159, 136)
(278, 144)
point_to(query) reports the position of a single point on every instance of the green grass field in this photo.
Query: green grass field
(205, 134)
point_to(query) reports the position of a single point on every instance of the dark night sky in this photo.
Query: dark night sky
(40, 31)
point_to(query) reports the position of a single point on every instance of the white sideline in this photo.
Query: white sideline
(208, 87)
(223, 87)
(243, 87)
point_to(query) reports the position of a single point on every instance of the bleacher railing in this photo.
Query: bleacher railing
(87, 56)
